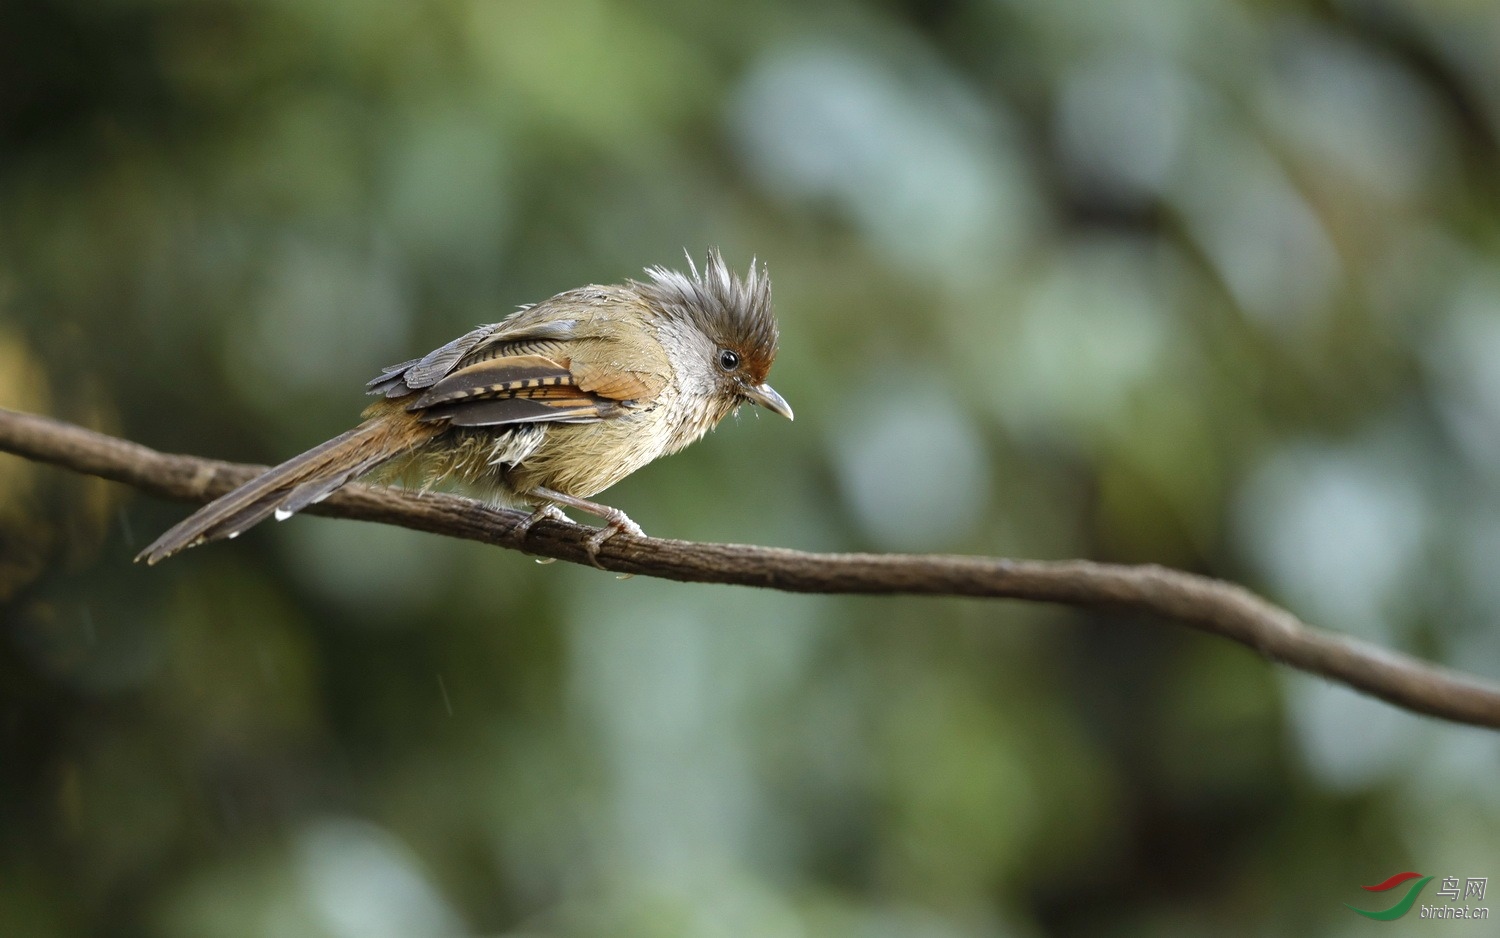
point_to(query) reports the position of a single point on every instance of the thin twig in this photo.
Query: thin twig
(1209, 605)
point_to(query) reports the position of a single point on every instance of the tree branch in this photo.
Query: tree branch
(1211, 606)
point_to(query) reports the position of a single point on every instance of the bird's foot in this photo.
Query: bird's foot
(617, 522)
(547, 511)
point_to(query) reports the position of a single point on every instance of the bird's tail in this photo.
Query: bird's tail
(292, 486)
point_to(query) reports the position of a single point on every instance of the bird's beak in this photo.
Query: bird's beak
(766, 396)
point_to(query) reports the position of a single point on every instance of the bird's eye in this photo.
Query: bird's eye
(729, 360)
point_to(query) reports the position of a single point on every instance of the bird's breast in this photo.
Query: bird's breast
(584, 459)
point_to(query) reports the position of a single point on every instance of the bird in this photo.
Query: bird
(544, 409)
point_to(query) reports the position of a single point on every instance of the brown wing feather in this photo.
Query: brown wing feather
(496, 377)
(512, 410)
(596, 378)
(597, 366)
(531, 368)
(512, 390)
(490, 341)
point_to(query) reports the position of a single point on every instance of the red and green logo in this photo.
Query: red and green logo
(1400, 908)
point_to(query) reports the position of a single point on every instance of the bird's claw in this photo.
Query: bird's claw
(548, 512)
(615, 525)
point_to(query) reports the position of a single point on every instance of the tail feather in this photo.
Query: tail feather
(291, 486)
(315, 490)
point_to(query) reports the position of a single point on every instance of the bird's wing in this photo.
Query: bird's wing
(536, 366)
(508, 389)
(522, 387)
(489, 341)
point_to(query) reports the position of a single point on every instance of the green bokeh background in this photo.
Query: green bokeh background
(1207, 284)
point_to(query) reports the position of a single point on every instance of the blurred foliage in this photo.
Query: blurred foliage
(1210, 284)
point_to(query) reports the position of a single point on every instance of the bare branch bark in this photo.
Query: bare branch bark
(1212, 606)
